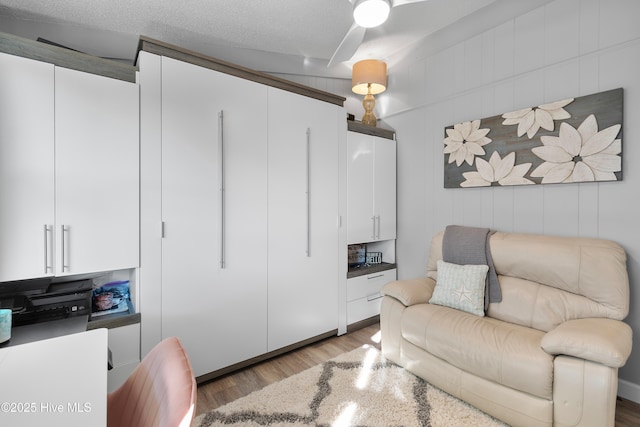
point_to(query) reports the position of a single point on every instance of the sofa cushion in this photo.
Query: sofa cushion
(461, 287)
(498, 351)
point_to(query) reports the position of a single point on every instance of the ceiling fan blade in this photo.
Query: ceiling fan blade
(395, 3)
(349, 45)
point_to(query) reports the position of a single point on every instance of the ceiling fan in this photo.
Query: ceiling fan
(366, 14)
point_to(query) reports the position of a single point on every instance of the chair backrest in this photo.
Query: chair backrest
(547, 280)
(160, 392)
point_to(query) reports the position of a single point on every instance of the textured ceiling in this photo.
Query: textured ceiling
(303, 27)
(271, 35)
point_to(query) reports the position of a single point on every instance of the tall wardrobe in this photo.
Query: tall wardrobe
(241, 209)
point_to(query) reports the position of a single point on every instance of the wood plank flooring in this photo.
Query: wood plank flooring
(235, 385)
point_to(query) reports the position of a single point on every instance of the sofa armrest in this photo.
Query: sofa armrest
(601, 340)
(411, 291)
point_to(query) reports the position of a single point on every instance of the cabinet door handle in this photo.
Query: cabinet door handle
(63, 244)
(221, 184)
(375, 277)
(47, 230)
(374, 297)
(308, 192)
(378, 229)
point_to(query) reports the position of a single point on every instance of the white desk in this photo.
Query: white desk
(55, 382)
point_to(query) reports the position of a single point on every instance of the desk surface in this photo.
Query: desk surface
(58, 381)
(42, 331)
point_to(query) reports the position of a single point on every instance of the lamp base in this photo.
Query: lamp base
(369, 120)
(368, 103)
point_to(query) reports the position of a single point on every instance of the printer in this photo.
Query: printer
(41, 300)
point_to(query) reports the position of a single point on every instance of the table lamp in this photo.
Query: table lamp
(369, 77)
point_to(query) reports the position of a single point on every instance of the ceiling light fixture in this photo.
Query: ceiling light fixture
(369, 77)
(371, 13)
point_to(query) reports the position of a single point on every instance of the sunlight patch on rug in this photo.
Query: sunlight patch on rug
(359, 388)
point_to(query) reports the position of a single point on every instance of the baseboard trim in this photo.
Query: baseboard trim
(363, 323)
(229, 369)
(629, 391)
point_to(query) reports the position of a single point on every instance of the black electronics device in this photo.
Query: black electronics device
(40, 301)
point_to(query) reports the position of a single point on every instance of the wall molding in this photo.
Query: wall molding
(629, 390)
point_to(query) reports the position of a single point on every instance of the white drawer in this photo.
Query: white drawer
(368, 285)
(363, 308)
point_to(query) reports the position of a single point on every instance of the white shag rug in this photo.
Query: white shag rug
(359, 388)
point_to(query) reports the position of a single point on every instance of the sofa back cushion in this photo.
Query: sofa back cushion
(546, 280)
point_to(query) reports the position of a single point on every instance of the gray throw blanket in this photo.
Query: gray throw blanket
(470, 245)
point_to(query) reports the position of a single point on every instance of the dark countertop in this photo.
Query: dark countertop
(71, 325)
(370, 269)
(46, 330)
(114, 320)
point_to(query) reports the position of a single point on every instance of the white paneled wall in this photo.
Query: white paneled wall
(568, 48)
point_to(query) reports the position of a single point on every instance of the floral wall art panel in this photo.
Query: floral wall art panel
(569, 140)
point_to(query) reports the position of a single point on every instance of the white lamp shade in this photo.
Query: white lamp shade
(369, 72)
(371, 13)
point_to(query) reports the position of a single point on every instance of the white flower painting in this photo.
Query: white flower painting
(579, 155)
(465, 141)
(503, 171)
(567, 141)
(530, 120)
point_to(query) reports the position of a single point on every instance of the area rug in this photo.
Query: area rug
(359, 388)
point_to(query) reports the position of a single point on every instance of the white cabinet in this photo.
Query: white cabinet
(371, 188)
(96, 173)
(363, 294)
(214, 211)
(26, 166)
(371, 217)
(68, 171)
(238, 258)
(304, 145)
(124, 344)
(246, 202)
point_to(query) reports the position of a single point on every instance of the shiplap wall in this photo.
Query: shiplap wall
(567, 48)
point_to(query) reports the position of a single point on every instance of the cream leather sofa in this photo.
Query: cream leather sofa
(546, 355)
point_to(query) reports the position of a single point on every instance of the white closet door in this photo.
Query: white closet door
(97, 173)
(384, 181)
(361, 224)
(303, 215)
(26, 168)
(218, 310)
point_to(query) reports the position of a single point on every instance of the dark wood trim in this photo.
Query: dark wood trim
(363, 324)
(354, 126)
(229, 369)
(112, 321)
(370, 269)
(171, 51)
(66, 58)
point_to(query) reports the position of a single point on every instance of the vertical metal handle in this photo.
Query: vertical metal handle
(63, 257)
(378, 230)
(308, 192)
(47, 267)
(221, 183)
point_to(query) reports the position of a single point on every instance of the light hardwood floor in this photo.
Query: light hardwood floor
(235, 385)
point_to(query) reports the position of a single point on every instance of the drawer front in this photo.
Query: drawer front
(363, 308)
(368, 285)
